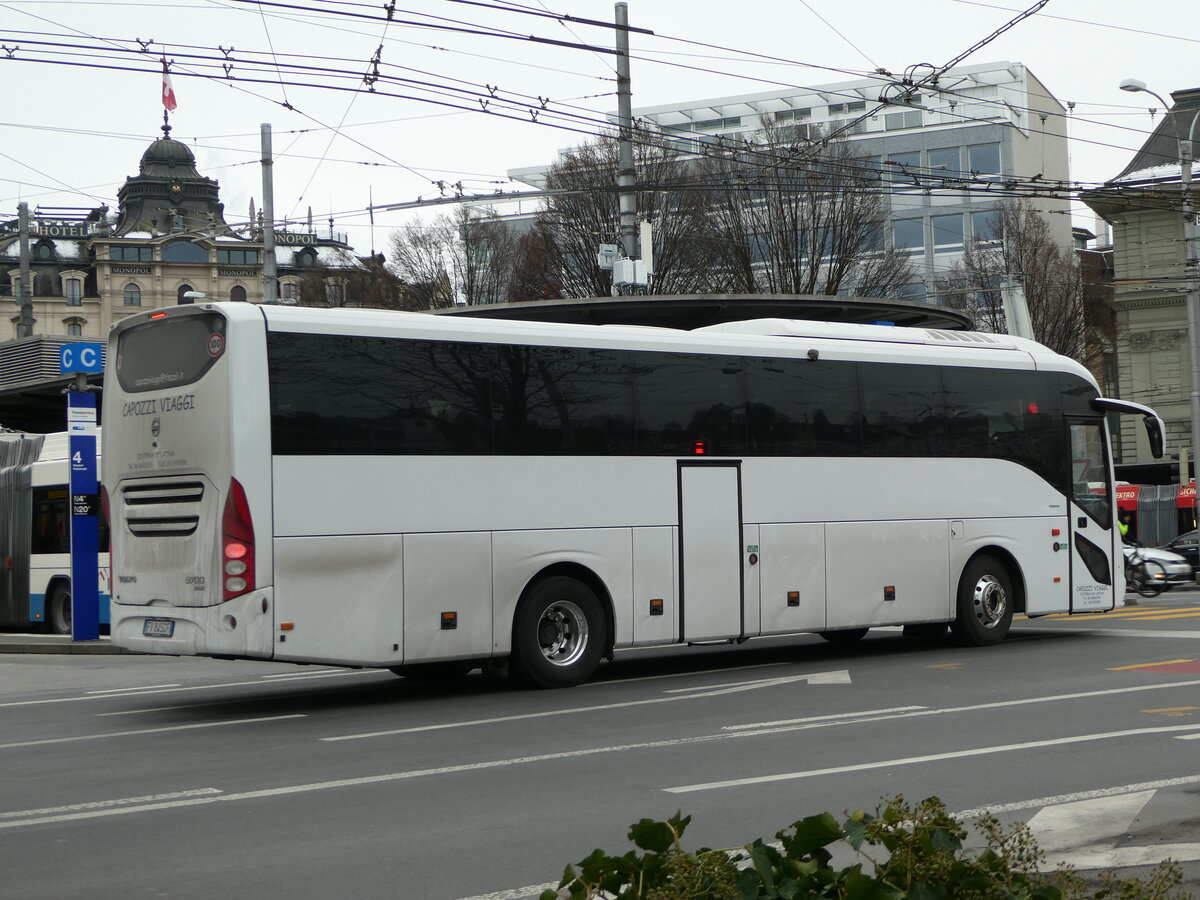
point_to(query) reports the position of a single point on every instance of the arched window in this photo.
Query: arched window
(291, 292)
(237, 293)
(73, 291)
(183, 289)
(133, 295)
(74, 330)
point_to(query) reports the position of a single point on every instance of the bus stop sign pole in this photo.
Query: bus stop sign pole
(79, 359)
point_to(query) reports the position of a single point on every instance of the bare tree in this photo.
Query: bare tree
(420, 258)
(1022, 250)
(575, 224)
(790, 216)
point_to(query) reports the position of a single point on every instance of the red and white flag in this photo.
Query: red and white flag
(168, 92)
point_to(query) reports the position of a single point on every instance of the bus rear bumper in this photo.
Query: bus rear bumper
(242, 627)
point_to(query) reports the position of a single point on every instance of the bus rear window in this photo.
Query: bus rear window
(169, 352)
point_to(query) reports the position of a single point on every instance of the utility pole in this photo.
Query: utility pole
(25, 298)
(269, 275)
(626, 174)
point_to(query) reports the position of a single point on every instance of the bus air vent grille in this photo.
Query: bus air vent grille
(163, 509)
(961, 337)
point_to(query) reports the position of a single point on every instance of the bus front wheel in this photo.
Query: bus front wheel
(985, 603)
(58, 609)
(559, 633)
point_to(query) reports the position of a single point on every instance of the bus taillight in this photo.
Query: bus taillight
(237, 543)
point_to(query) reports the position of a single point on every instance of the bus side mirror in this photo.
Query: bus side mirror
(1154, 433)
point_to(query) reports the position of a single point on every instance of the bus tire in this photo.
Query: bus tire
(434, 671)
(985, 603)
(559, 633)
(58, 609)
(845, 635)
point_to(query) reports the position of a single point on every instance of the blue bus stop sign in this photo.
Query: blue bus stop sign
(80, 357)
(85, 502)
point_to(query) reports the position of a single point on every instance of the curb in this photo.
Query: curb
(56, 644)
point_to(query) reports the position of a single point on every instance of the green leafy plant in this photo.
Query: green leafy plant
(920, 850)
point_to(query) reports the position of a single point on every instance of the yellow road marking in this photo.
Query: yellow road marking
(1190, 615)
(946, 666)
(1169, 662)
(1173, 710)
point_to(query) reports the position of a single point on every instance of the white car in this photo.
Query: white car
(1178, 569)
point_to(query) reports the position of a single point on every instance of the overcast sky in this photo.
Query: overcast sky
(71, 132)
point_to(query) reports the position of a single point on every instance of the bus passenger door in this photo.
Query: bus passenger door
(1094, 545)
(710, 551)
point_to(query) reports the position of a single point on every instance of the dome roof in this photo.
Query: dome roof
(167, 158)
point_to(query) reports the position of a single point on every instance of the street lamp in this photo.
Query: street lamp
(1189, 256)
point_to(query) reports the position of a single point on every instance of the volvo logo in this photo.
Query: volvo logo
(155, 427)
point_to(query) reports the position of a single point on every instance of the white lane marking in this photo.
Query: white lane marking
(518, 717)
(1086, 823)
(785, 724)
(591, 684)
(932, 757)
(1078, 795)
(143, 687)
(336, 670)
(119, 734)
(1189, 737)
(833, 718)
(194, 687)
(107, 804)
(1119, 857)
(841, 676)
(358, 782)
(534, 890)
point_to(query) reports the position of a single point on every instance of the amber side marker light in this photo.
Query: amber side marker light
(286, 626)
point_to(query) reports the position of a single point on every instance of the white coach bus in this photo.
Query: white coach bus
(432, 494)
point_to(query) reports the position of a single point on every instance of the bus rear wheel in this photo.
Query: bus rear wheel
(559, 633)
(985, 603)
(58, 609)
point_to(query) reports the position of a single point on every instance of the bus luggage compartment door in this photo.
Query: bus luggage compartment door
(710, 557)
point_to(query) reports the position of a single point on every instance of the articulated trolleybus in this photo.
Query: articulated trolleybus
(431, 495)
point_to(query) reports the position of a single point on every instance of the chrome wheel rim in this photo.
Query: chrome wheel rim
(562, 633)
(991, 601)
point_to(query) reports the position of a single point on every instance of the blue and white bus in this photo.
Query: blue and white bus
(400, 490)
(35, 521)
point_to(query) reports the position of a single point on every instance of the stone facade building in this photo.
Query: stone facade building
(1143, 204)
(167, 239)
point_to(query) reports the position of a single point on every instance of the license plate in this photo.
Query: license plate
(158, 628)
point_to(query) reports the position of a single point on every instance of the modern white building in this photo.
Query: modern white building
(978, 124)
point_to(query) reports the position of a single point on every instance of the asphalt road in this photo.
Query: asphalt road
(129, 776)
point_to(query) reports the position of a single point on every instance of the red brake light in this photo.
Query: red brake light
(237, 543)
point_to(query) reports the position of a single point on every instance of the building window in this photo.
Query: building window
(44, 251)
(945, 161)
(901, 167)
(909, 235)
(335, 293)
(788, 115)
(73, 291)
(184, 252)
(291, 292)
(842, 108)
(902, 120)
(184, 289)
(237, 293)
(133, 295)
(237, 257)
(985, 226)
(74, 330)
(984, 159)
(131, 254)
(947, 233)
